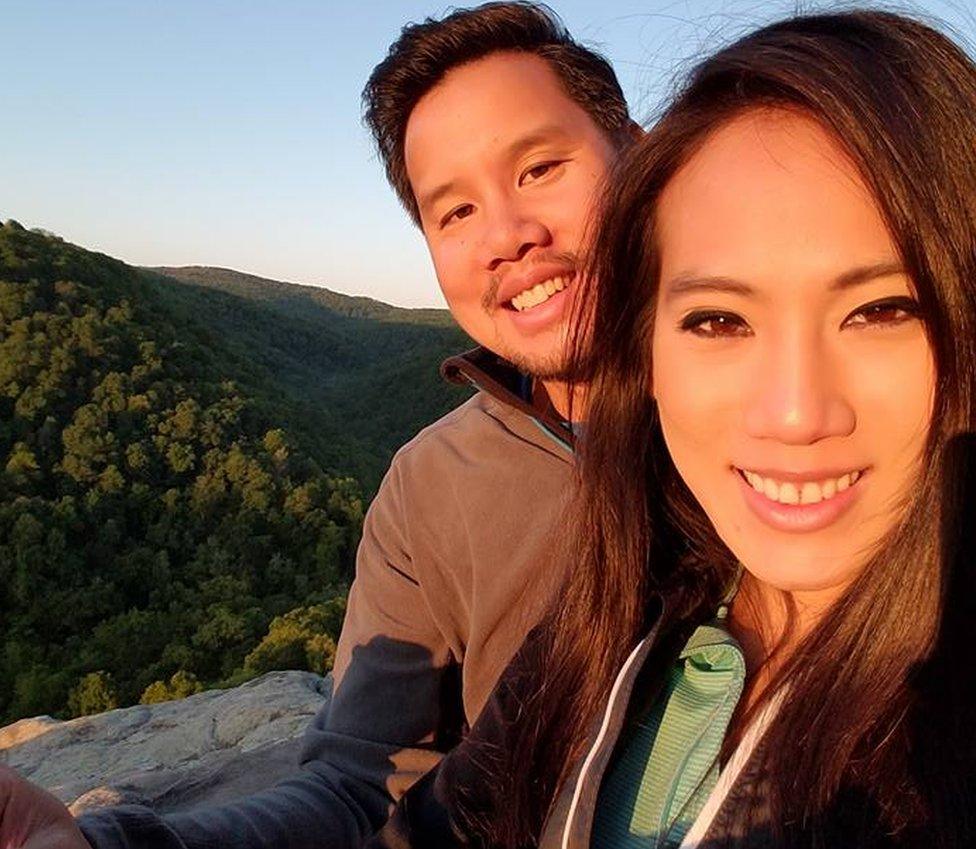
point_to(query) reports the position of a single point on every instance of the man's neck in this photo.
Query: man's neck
(555, 394)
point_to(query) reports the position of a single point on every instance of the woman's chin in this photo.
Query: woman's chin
(792, 569)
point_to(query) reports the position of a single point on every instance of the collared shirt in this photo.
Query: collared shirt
(668, 766)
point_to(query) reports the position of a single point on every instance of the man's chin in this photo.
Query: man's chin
(544, 356)
(547, 367)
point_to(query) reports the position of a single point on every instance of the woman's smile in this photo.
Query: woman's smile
(799, 502)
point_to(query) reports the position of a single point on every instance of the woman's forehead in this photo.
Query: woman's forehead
(769, 197)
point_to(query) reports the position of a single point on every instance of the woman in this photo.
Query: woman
(781, 360)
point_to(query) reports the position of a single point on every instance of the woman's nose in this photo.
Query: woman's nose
(797, 395)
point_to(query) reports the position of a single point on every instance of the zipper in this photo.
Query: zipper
(598, 742)
(625, 672)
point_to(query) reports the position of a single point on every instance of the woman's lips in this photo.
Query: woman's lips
(800, 518)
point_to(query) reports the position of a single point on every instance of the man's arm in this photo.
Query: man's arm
(395, 692)
(456, 805)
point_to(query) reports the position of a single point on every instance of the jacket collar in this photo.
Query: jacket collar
(498, 378)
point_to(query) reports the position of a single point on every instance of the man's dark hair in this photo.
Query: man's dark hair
(425, 52)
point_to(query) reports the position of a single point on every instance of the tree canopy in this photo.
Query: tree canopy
(170, 518)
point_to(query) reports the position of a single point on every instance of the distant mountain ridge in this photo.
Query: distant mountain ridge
(283, 295)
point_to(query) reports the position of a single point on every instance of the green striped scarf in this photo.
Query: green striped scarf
(668, 765)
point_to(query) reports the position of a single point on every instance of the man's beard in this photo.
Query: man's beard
(553, 366)
(552, 363)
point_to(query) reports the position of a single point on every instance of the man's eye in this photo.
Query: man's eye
(457, 213)
(714, 325)
(886, 312)
(537, 172)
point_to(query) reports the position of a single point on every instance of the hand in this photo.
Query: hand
(31, 818)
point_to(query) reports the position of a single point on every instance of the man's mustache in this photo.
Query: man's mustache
(488, 300)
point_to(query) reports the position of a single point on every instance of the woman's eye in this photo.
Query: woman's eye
(712, 325)
(537, 172)
(883, 313)
(457, 213)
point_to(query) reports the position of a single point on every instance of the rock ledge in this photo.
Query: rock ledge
(205, 749)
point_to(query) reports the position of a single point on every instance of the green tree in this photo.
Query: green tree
(180, 685)
(94, 693)
(170, 480)
(297, 640)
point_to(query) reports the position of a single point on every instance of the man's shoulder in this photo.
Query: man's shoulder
(482, 427)
(472, 450)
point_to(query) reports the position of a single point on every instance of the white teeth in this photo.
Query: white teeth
(808, 492)
(789, 494)
(811, 493)
(539, 293)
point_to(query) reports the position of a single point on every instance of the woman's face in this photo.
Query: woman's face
(793, 378)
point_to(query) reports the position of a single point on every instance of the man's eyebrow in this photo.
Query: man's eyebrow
(429, 199)
(545, 134)
(537, 137)
(684, 284)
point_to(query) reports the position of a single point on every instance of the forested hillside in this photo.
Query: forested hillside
(365, 369)
(175, 509)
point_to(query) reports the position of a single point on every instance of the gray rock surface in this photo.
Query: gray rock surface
(205, 749)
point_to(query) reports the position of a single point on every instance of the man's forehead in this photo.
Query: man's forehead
(495, 101)
(499, 79)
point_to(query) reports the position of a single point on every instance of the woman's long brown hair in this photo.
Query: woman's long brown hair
(901, 98)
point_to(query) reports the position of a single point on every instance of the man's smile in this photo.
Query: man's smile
(539, 293)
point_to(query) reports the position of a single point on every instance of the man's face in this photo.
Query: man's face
(504, 166)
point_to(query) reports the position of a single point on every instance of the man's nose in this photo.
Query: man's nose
(511, 232)
(798, 396)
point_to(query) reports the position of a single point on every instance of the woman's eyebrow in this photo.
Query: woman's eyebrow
(866, 273)
(684, 284)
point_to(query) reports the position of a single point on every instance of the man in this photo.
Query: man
(496, 130)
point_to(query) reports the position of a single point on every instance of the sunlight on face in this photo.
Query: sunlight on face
(793, 377)
(504, 165)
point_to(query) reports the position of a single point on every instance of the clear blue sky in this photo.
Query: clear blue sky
(211, 132)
